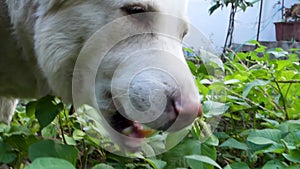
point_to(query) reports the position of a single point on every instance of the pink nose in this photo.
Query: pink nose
(194, 109)
(199, 110)
(186, 114)
(177, 115)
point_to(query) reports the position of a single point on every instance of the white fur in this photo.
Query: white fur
(8, 106)
(46, 37)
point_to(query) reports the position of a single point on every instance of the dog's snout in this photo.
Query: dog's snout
(157, 100)
(181, 112)
(193, 108)
(178, 113)
(187, 111)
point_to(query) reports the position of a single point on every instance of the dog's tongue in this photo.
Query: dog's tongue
(137, 131)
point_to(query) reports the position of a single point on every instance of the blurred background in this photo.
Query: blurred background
(215, 26)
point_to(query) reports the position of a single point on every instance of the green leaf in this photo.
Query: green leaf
(260, 140)
(192, 67)
(6, 153)
(293, 156)
(195, 160)
(30, 108)
(49, 148)
(231, 81)
(271, 136)
(293, 58)
(290, 126)
(227, 167)
(18, 130)
(4, 128)
(78, 135)
(188, 50)
(202, 88)
(21, 142)
(102, 166)
(239, 165)
(241, 75)
(156, 164)
(211, 108)
(50, 131)
(233, 143)
(209, 151)
(206, 82)
(241, 55)
(295, 166)
(210, 59)
(175, 157)
(267, 140)
(157, 143)
(47, 109)
(214, 7)
(282, 64)
(278, 52)
(50, 163)
(210, 139)
(274, 164)
(70, 140)
(250, 85)
(254, 42)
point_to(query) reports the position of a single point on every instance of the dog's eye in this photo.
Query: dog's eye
(134, 9)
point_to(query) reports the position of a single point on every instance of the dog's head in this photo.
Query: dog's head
(130, 51)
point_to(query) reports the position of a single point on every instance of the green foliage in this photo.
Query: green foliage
(49, 148)
(242, 4)
(102, 166)
(46, 109)
(50, 163)
(6, 153)
(251, 107)
(261, 89)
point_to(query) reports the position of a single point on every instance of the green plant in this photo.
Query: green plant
(261, 128)
(44, 134)
(251, 120)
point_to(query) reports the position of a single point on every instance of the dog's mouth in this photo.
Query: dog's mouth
(130, 128)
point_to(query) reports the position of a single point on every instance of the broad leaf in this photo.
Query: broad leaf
(196, 160)
(239, 165)
(250, 85)
(266, 136)
(46, 110)
(233, 143)
(6, 153)
(267, 140)
(260, 140)
(175, 157)
(278, 52)
(102, 166)
(156, 164)
(274, 164)
(293, 156)
(211, 108)
(49, 148)
(50, 163)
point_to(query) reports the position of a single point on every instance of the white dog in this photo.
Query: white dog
(40, 41)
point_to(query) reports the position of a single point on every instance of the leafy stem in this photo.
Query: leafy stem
(283, 98)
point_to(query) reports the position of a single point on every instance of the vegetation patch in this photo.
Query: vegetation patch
(251, 107)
